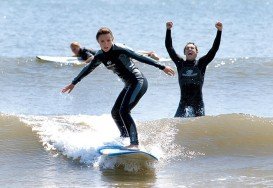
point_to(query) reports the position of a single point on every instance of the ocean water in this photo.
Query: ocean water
(49, 139)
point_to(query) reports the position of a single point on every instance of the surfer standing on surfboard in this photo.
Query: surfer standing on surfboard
(86, 54)
(191, 73)
(118, 58)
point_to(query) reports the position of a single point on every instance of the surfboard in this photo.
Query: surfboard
(58, 59)
(120, 151)
(162, 59)
(74, 60)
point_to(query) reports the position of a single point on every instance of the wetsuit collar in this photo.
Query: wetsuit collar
(192, 62)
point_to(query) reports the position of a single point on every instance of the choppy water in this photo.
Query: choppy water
(49, 139)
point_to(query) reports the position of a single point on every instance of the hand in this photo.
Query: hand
(168, 70)
(169, 25)
(219, 26)
(68, 88)
(153, 55)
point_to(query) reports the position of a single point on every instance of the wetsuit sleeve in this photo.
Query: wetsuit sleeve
(205, 60)
(86, 70)
(89, 54)
(169, 46)
(144, 59)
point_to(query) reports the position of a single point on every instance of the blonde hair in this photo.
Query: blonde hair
(75, 44)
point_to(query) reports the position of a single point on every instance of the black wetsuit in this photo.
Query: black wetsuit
(86, 53)
(118, 59)
(191, 78)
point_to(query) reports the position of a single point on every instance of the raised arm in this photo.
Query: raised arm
(141, 58)
(85, 71)
(212, 52)
(169, 46)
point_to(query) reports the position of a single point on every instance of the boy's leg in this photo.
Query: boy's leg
(116, 115)
(131, 98)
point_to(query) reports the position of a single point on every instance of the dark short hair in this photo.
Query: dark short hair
(104, 31)
(192, 44)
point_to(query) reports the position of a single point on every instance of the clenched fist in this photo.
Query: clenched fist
(219, 26)
(169, 25)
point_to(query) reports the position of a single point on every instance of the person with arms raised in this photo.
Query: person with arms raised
(191, 73)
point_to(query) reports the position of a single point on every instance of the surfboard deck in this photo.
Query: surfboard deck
(59, 59)
(122, 152)
(74, 60)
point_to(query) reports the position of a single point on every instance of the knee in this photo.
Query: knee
(123, 112)
(115, 113)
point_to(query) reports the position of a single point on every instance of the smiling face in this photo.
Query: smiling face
(191, 51)
(105, 41)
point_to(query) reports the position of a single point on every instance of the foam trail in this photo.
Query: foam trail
(79, 136)
(76, 137)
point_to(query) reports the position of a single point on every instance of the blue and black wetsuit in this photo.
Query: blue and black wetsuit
(118, 59)
(86, 53)
(191, 78)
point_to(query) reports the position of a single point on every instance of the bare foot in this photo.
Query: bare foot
(132, 146)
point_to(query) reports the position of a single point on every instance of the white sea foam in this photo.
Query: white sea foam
(79, 136)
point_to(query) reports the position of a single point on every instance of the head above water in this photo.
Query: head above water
(75, 48)
(105, 38)
(191, 51)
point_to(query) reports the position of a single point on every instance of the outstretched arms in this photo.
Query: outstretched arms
(85, 71)
(169, 46)
(212, 52)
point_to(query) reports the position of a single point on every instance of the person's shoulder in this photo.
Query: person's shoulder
(201, 62)
(120, 46)
(98, 53)
(89, 50)
(84, 49)
(98, 57)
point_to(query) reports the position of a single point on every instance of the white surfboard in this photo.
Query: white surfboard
(120, 151)
(162, 59)
(75, 60)
(58, 59)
